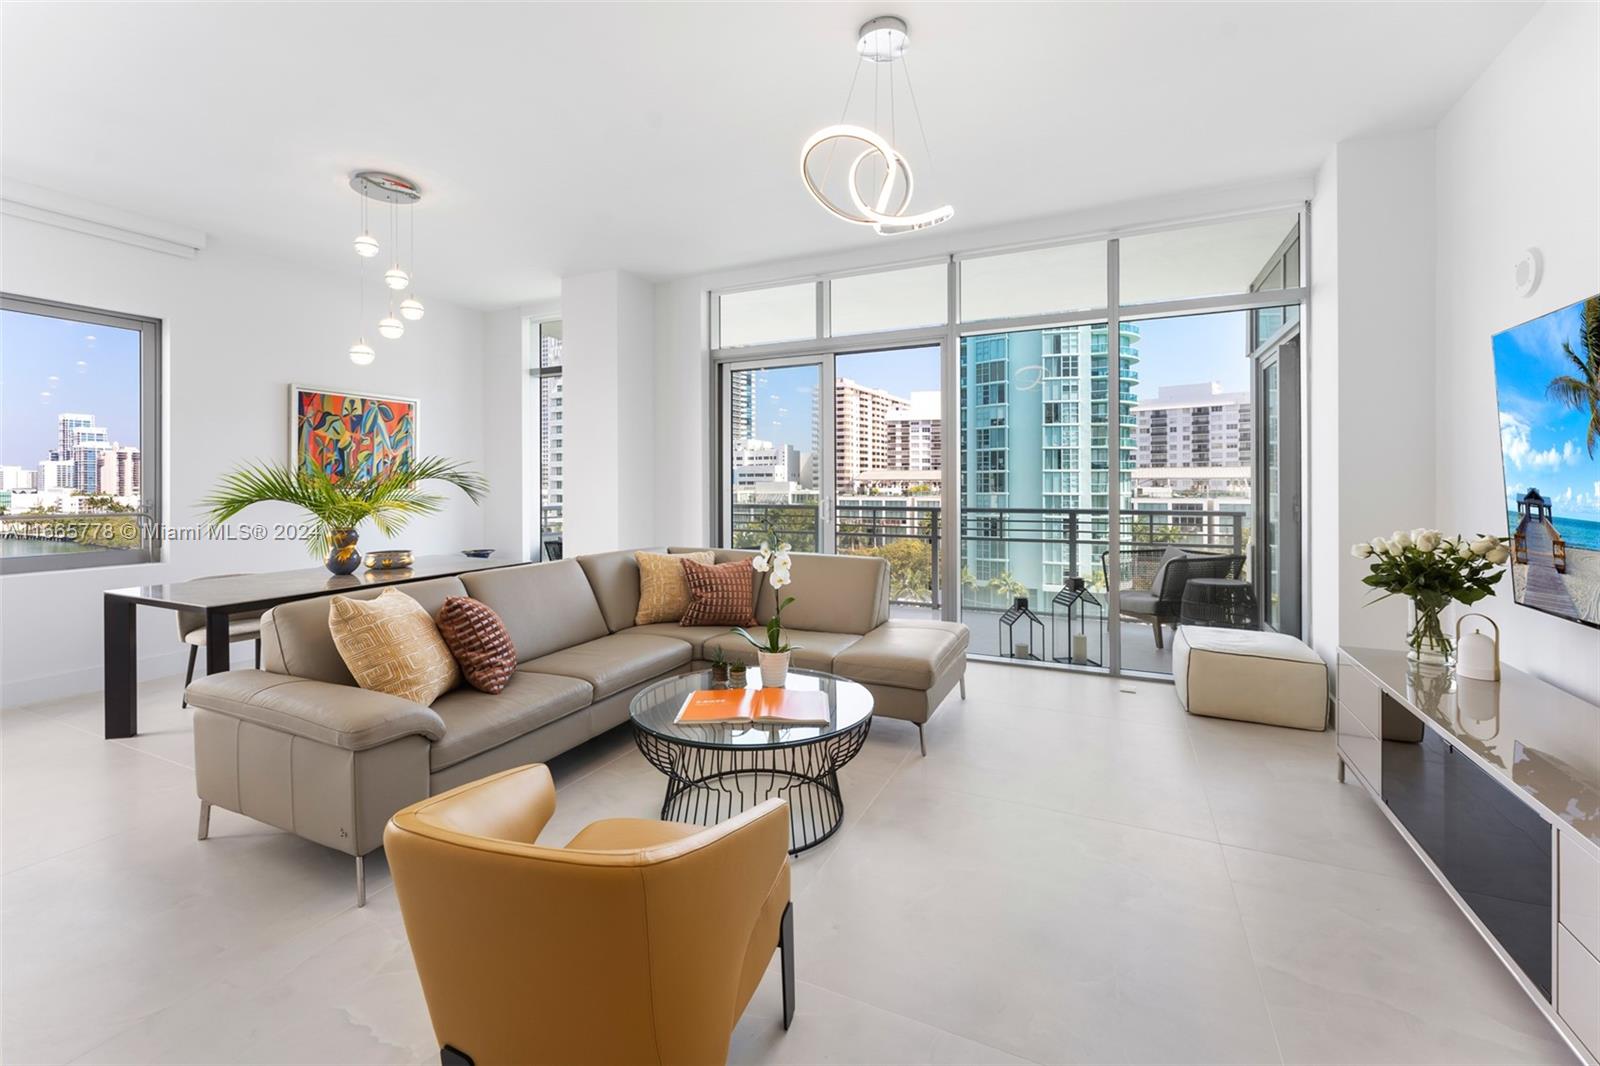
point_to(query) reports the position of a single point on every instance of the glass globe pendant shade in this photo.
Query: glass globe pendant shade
(361, 353)
(391, 327)
(411, 308)
(396, 278)
(366, 246)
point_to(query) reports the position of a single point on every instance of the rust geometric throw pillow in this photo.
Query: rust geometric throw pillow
(479, 641)
(719, 595)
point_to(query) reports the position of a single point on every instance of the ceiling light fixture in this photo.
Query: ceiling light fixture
(878, 181)
(395, 191)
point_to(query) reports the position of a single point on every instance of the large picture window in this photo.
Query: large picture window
(79, 437)
(1122, 418)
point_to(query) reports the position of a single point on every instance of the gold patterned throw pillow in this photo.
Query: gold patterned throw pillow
(663, 592)
(391, 645)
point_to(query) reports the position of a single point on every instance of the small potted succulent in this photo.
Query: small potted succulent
(719, 669)
(772, 654)
(738, 675)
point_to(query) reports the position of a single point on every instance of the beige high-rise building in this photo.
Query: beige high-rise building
(119, 471)
(861, 430)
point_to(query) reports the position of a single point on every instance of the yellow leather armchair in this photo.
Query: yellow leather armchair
(640, 941)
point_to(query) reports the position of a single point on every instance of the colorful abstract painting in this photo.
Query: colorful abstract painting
(343, 435)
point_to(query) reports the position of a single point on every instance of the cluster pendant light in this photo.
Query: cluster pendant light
(875, 177)
(394, 191)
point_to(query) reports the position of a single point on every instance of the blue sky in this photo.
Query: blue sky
(1184, 351)
(1172, 351)
(1542, 440)
(49, 366)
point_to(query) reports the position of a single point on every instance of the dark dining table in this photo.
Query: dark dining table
(219, 597)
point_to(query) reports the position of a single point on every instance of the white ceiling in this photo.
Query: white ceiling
(663, 138)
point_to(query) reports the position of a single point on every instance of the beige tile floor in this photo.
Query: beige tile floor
(1077, 872)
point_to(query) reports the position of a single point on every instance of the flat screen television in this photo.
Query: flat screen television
(1547, 379)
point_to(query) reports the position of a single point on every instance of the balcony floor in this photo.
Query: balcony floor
(1139, 651)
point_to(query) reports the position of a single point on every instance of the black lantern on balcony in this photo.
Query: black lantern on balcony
(1085, 614)
(1028, 643)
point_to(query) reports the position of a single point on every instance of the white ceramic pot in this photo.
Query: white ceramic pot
(774, 668)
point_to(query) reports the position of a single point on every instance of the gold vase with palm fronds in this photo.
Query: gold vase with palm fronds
(338, 506)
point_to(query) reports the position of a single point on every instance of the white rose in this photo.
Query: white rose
(1498, 555)
(1464, 549)
(1380, 546)
(1428, 541)
(1361, 551)
(1483, 545)
(1401, 539)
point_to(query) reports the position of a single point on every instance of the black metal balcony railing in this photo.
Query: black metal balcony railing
(911, 538)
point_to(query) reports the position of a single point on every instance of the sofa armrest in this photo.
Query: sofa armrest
(341, 716)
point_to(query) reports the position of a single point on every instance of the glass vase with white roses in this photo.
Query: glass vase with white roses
(1432, 571)
(772, 654)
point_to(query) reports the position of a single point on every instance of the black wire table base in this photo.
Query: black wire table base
(709, 785)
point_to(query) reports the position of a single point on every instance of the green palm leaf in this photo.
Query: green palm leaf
(390, 499)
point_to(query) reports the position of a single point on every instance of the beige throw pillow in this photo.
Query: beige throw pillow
(391, 645)
(663, 592)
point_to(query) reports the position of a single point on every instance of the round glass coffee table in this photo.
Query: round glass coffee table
(716, 771)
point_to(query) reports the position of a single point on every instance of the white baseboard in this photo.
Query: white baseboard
(22, 691)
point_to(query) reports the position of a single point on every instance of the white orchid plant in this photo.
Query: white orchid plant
(775, 564)
(1433, 570)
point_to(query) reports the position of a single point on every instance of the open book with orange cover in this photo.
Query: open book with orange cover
(755, 706)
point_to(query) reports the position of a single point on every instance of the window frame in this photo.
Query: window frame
(538, 372)
(151, 432)
(954, 330)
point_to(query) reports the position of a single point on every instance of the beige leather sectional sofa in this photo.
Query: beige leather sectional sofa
(298, 745)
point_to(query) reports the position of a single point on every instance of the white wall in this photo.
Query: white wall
(238, 329)
(1320, 374)
(683, 509)
(1371, 373)
(1518, 167)
(608, 350)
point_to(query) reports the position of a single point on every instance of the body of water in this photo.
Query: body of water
(13, 547)
(1577, 532)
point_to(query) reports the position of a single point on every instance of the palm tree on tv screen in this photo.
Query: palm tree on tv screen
(1582, 389)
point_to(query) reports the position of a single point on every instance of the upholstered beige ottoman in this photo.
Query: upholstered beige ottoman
(1250, 676)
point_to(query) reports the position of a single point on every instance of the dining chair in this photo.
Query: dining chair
(192, 631)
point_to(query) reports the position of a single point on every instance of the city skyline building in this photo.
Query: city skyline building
(1035, 438)
(861, 432)
(119, 471)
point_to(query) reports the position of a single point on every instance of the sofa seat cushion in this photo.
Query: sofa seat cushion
(905, 654)
(695, 636)
(614, 663)
(476, 721)
(812, 650)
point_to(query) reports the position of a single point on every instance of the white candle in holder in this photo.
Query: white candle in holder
(1080, 648)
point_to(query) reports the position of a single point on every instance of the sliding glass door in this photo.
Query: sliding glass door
(1035, 494)
(841, 453)
(1277, 370)
(773, 455)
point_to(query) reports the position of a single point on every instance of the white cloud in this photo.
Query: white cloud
(1572, 453)
(1514, 441)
